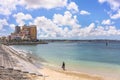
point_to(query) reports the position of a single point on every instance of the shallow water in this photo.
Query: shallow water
(79, 56)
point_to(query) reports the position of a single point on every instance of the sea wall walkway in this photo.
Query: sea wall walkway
(16, 67)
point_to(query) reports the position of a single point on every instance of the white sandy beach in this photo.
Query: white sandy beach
(52, 74)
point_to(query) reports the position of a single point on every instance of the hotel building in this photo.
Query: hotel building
(24, 33)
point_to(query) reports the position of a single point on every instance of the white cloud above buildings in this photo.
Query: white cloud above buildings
(58, 26)
(46, 28)
(21, 18)
(83, 12)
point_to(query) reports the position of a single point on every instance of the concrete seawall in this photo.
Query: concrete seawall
(15, 66)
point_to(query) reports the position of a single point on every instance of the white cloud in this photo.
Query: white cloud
(65, 20)
(21, 17)
(73, 7)
(12, 26)
(115, 16)
(86, 31)
(48, 4)
(114, 4)
(7, 6)
(46, 28)
(107, 22)
(83, 12)
(58, 28)
(68, 22)
(101, 1)
(4, 11)
(3, 22)
(100, 32)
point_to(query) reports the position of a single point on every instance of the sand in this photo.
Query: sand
(53, 74)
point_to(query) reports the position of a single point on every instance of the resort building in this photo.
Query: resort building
(33, 32)
(24, 33)
(14, 36)
(17, 29)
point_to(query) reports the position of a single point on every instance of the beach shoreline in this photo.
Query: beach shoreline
(55, 73)
(67, 74)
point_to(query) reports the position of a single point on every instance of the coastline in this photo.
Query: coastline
(24, 43)
(53, 73)
(50, 73)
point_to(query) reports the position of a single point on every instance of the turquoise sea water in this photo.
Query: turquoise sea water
(79, 56)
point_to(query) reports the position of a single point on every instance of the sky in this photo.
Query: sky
(63, 19)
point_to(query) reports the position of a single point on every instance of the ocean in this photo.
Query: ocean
(90, 57)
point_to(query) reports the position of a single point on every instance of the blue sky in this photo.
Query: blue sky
(63, 19)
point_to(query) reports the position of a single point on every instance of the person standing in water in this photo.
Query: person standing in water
(63, 66)
(106, 43)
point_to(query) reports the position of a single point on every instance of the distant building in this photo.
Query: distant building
(9, 37)
(33, 32)
(3, 38)
(24, 33)
(29, 32)
(17, 29)
(15, 36)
